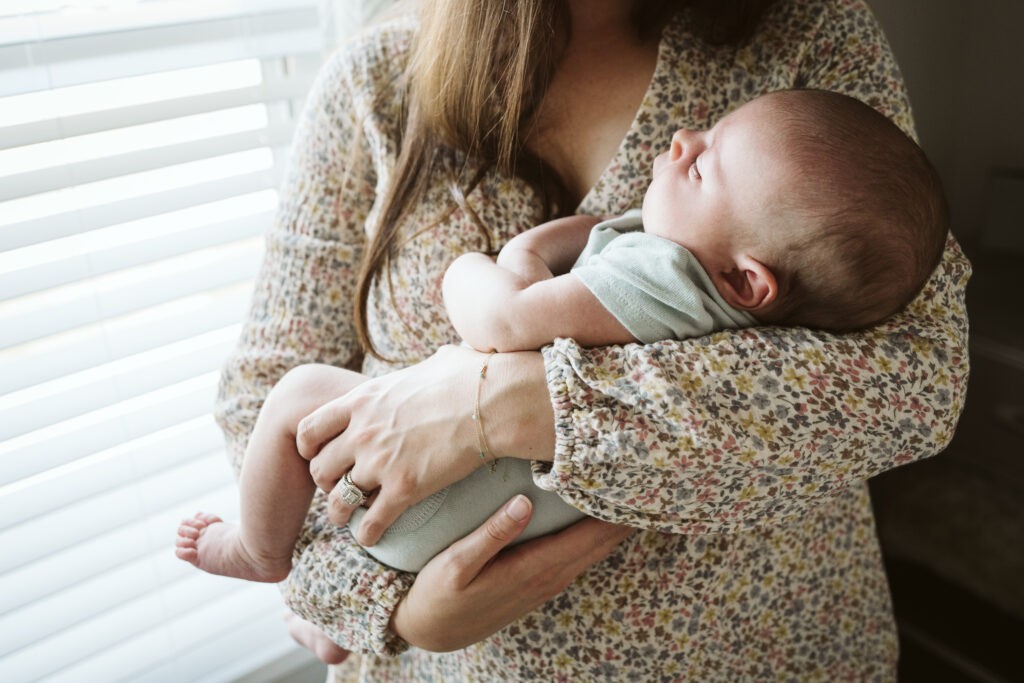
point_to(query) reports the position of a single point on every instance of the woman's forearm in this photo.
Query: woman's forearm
(516, 407)
(746, 428)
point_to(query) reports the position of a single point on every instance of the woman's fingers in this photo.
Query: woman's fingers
(349, 493)
(582, 544)
(313, 639)
(472, 590)
(321, 426)
(394, 497)
(471, 554)
(322, 439)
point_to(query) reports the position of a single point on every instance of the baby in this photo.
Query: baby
(802, 208)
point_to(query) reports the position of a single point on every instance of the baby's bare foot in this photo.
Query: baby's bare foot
(215, 546)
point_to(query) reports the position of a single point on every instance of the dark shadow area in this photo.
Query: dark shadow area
(952, 527)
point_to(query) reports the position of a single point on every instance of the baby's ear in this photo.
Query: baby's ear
(749, 285)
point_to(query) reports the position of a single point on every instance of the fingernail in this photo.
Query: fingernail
(519, 508)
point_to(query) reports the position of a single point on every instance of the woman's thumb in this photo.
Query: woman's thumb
(504, 526)
(509, 522)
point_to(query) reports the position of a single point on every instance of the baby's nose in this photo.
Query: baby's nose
(682, 140)
(675, 150)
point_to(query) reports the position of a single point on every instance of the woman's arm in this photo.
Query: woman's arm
(744, 428)
(474, 589)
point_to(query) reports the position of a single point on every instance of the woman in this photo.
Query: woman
(740, 459)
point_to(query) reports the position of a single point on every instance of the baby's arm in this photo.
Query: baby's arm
(547, 250)
(528, 297)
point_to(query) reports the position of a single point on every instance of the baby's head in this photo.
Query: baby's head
(805, 207)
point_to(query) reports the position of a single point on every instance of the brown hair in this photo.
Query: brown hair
(872, 214)
(477, 73)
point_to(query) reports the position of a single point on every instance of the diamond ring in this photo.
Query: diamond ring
(350, 493)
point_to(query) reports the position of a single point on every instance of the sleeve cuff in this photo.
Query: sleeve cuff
(348, 595)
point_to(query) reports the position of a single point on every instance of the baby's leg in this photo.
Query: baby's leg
(275, 486)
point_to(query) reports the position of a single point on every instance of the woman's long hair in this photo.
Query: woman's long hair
(477, 73)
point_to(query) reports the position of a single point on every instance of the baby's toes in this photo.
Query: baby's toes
(208, 519)
(187, 538)
(190, 529)
(190, 555)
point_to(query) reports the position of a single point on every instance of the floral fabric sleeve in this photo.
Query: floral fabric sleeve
(742, 428)
(302, 312)
(836, 61)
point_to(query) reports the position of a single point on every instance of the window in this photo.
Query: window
(141, 142)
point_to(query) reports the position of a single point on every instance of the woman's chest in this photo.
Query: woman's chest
(590, 105)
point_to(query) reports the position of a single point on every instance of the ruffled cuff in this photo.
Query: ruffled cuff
(570, 475)
(335, 585)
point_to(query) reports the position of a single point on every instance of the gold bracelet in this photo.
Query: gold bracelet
(485, 450)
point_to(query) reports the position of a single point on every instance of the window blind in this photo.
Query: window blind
(141, 142)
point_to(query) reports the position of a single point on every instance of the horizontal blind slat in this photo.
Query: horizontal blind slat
(72, 395)
(134, 244)
(108, 469)
(207, 479)
(48, 20)
(148, 614)
(212, 630)
(115, 657)
(92, 301)
(65, 442)
(55, 178)
(212, 179)
(76, 350)
(246, 647)
(111, 119)
(97, 516)
(62, 609)
(68, 61)
(138, 538)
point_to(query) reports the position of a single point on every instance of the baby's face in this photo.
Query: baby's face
(712, 190)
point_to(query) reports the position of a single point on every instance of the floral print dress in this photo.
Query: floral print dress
(741, 457)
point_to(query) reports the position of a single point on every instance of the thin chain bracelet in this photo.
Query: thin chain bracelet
(485, 450)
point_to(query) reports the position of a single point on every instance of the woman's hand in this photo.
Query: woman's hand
(313, 639)
(410, 433)
(470, 591)
(404, 435)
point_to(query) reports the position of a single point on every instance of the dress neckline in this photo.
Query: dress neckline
(590, 203)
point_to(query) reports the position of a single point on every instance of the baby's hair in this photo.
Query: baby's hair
(872, 214)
